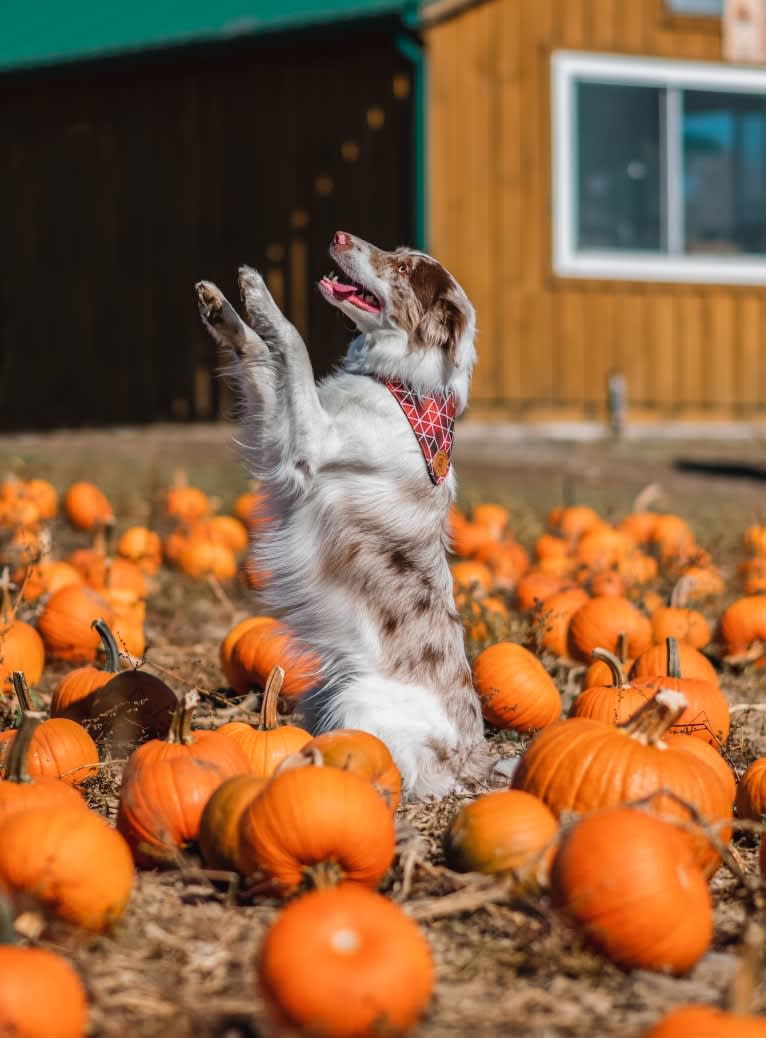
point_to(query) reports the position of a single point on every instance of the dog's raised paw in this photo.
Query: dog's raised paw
(251, 283)
(210, 302)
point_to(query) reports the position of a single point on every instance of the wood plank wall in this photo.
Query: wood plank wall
(547, 344)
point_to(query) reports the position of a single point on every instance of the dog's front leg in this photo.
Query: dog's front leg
(307, 418)
(254, 370)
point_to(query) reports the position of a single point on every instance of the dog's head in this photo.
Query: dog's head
(416, 321)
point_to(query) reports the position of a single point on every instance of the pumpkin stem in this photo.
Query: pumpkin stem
(614, 664)
(308, 756)
(6, 610)
(180, 726)
(646, 497)
(652, 720)
(742, 988)
(679, 596)
(324, 874)
(17, 767)
(21, 688)
(673, 658)
(268, 717)
(180, 479)
(112, 653)
(622, 647)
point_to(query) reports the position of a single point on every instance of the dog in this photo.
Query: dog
(359, 486)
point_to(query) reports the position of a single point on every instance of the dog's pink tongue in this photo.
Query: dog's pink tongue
(338, 290)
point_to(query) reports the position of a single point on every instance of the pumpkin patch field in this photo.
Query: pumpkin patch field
(179, 857)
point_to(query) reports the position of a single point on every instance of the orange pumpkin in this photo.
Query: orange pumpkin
(66, 623)
(69, 861)
(218, 835)
(629, 882)
(43, 495)
(600, 672)
(184, 502)
(317, 824)
(203, 556)
(677, 621)
(751, 791)
(265, 646)
(87, 507)
(572, 521)
(599, 622)
(364, 754)
(73, 695)
(45, 577)
(18, 790)
(237, 678)
(582, 765)
(515, 689)
(708, 753)
(674, 658)
(507, 830)
(742, 626)
(551, 619)
(21, 648)
(707, 1022)
(474, 577)
(266, 744)
(376, 974)
(535, 587)
(612, 702)
(228, 530)
(41, 995)
(141, 546)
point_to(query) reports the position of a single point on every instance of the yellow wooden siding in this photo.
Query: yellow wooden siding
(546, 344)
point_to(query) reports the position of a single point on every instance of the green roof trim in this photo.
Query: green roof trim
(47, 32)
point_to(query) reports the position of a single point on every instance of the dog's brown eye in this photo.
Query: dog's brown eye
(402, 269)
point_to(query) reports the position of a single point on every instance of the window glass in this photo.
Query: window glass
(724, 180)
(706, 7)
(618, 167)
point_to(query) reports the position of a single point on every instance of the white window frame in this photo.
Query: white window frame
(571, 67)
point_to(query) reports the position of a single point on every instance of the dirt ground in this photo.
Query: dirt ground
(182, 962)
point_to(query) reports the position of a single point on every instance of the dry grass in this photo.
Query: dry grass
(183, 960)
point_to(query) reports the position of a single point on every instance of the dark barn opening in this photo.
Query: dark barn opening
(125, 182)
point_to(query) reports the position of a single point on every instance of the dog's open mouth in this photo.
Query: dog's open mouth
(347, 291)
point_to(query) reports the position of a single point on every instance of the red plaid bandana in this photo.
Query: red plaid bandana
(432, 419)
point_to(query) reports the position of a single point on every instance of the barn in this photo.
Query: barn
(593, 171)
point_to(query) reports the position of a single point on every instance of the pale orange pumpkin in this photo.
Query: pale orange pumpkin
(551, 618)
(86, 506)
(514, 688)
(364, 754)
(599, 622)
(41, 995)
(141, 546)
(66, 623)
(264, 646)
(21, 647)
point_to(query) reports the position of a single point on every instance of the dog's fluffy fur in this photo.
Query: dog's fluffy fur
(356, 543)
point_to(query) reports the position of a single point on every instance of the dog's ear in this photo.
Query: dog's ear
(443, 321)
(441, 327)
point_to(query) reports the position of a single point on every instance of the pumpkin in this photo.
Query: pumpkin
(43, 495)
(73, 695)
(572, 521)
(364, 754)
(41, 995)
(742, 626)
(582, 765)
(676, 621)
(166, 784)
(229, 531)
(609, 582)
(629, 883)
(601, 548)
(600, 671)
(474, 577)
(202, 556)
(347, 963)
(486, 617)
(69, 861)
(184, 502)
(45, 578)
(464, 536)
(674, 658)
(218, 835)
(86, 506)
(551, 619)
(247, 505)
(66, 623)
(141, 546)
(507, 561)
(535, 587)
(265, 646)
(507, 830)
(514, 688)
(599, 622)
(673, 536)
(705, 581)
(130, 707)
(548, 546)
(707, 1022)
(708, 753)
(493, 517)
(318, 825)
(59, 748)
(613, 702)
(236, 676)
(639, 526)
(266, 744)
(18, 790)
(21, 647)
(751, 791)
(707, 711)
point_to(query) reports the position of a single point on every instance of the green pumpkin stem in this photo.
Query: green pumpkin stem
(21, 688)
(6, 609)
(652, 720)
(17, 768)
(673, 658)
(268, 716)
(112, 653)
(7, 932)
(622, 647)
(614, 664)
(180, 726)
